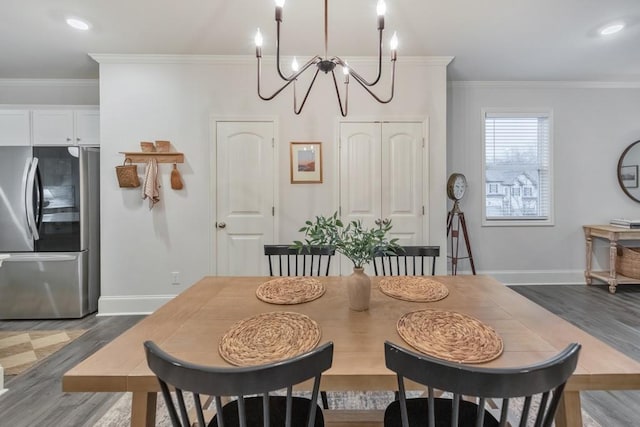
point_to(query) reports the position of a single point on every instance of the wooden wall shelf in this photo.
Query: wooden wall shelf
(143, 157)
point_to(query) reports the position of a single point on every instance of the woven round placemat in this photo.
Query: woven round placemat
(290, 290)
(414, 288)
(450, 336)
(269, 337)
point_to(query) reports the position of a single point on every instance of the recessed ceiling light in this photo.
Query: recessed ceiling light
(612, 29)
(78, 24)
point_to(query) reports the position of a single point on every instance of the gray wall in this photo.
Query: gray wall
(49, 91)
(592, 125)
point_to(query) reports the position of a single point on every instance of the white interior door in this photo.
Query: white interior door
(402, 180)
(381, 178)
(360, 168)
(245, 164)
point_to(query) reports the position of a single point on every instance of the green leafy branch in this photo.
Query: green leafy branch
(352, 240)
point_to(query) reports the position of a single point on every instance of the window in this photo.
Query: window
(517, 157)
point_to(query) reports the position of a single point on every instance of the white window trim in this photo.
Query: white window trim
(518, 112)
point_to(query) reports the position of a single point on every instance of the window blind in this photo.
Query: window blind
(517, 160)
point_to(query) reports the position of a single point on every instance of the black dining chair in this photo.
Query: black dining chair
(539, 386)
(285, 260)
(254, 405)
(407, 261)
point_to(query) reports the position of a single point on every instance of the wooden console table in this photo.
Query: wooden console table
(613, 235)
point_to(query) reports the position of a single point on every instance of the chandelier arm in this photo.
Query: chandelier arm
(282, 76)
(269, 98)
(304, 100)
(344, 111)
(359, 79)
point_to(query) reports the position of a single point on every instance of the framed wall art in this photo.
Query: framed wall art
(629, 176)
(306, 162)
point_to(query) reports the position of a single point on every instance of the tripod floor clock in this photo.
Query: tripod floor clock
(456, 186)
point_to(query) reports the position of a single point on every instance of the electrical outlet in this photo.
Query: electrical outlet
(175, 277)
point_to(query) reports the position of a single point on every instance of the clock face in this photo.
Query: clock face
(456, 186)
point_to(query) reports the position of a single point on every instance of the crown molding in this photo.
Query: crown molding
(545, 84)
(107, 58)
(49, 82)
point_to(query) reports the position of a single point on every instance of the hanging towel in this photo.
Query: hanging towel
(150, 187)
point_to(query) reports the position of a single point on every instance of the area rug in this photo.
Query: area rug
(119, 414)
(19, 350)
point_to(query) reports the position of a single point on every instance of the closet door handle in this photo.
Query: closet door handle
(386, 221)
(221, 225)
(378, 221)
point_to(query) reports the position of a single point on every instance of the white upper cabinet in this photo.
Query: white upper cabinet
(66, 127)
(14, 127)
(87, 127)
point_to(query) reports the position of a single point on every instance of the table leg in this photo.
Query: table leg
(613, 278)
(143, 409)
(569, 412)
(589, 251)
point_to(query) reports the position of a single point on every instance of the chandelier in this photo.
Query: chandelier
(327, 65)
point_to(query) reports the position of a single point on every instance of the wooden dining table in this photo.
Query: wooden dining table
(191, 325)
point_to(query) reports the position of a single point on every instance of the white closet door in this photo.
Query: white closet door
(402, 180)
(244, 197)
(360, 170)
(381, 178)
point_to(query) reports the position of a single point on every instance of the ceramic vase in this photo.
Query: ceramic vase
(359, 288)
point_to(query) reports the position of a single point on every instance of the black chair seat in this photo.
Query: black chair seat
(418, 408)
(277, 412)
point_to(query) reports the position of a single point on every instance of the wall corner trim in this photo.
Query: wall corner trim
(49, 82)
(109, 58)
(545, 84)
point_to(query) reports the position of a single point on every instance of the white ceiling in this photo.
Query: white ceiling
(491, 40)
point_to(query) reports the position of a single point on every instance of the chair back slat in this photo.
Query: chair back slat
(288, 261)
(540, 385)
(407, 261)
(252, 387)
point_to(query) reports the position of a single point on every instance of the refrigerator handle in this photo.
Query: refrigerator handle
(31, 219)
(40, 188)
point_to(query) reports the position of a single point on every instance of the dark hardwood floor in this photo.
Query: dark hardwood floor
(614, 319)
(36, 398)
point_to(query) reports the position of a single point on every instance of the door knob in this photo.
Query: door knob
(221, 225)
(386, 221)
(378, 221)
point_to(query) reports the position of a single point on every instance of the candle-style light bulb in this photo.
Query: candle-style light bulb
(381, 8)
(294, 65)
(258, 38)
(393, 44)
(345, 71)
(279, 3)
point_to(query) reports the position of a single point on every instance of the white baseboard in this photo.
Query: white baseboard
(131, 304)
(536, 277)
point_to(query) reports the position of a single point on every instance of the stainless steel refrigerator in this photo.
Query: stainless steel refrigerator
(49, 225)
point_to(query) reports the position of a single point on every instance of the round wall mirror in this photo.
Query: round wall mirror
(628, 171)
